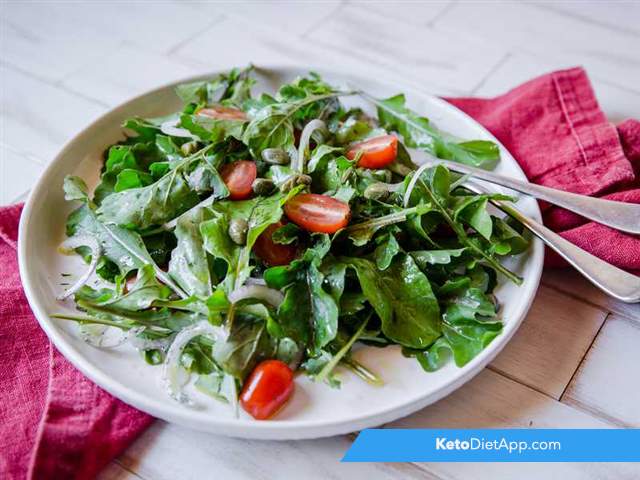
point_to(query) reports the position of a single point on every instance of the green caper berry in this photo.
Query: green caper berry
(275, 156)
(238, 230)
(262, 186)
(303, 179)
(189, 147)
(294, 180)
(377, 191)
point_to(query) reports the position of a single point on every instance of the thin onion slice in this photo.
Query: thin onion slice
(147, 343)
(305, 137)
(170, 128)
(67, 247)
(255, 281)
(172, 369)
(413, 181)
(261, 292)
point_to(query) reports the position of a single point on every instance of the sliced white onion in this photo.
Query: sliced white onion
(255, 281)
(172, 369)
(102, 336)
(261, 292)
(413, 181)
(147, 343)
(305, 136)
(169, 128)
(67, 247)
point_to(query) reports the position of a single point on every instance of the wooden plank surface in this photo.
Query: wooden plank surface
(549, 346)
(607, 382)
(493, 401)
(605, 51)
(63, 64)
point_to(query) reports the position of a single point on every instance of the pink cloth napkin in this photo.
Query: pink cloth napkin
(54, 422)
(555, 129)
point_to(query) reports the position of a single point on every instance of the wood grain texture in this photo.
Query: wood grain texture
(602, 50)
(550, 344)
(167, 452)
(106, 83)
(572, 283)
(493, 401)
(17, 174)
(607, 382)
(38, 118)
(456, 64)
(115, 471)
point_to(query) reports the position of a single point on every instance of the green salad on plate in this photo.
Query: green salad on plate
(248, 237)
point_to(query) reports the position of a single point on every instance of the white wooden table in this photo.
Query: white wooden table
(575, 361)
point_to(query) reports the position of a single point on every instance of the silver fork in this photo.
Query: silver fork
(619, 215)
(611, 280)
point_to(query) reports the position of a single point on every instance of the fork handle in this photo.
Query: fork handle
(612, 280)
(619, 215)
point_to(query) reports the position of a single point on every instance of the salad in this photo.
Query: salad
(247, 238)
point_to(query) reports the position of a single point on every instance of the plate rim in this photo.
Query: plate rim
(290, 429)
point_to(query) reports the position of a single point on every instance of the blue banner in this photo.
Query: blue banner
(496, 445)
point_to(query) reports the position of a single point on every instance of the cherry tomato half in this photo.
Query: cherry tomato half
(238, 176)
(272, 253)
(223, 113)
(317, 213)
(377, 152)
(268, 388)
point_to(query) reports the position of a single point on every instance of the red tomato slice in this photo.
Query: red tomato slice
(223, 113)
(318, 213)
(239, 176)
(272, 253)
(268, 388)
(377, 152)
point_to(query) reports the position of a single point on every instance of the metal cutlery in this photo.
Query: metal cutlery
(611, 280)
(619, 215)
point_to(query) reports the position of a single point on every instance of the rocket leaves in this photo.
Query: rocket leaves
(415, 263)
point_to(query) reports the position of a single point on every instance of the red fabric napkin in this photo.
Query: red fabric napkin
(54, 422)
(555, 129)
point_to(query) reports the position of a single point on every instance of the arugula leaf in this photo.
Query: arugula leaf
(233, 88)
(286, 235)
(211, 129)
(387, 248)
(259, 213)
(189, 265)
(436, 257)
(403, 299)
(418, 132)
(273, 125)
(75, 189)
(308, 314)
(248, 343)
(436, 193)
(143, 293)
(173, 194)
(123, 247)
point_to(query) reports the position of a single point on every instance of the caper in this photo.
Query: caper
(346, 175)
(303, 179)
(262, 186)
(377, 191)
(294, 180)
(238, 230)
(189, 147)
(275, 156)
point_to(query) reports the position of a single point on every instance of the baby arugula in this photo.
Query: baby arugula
(205, 278)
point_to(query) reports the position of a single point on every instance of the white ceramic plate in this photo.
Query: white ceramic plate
(315, 410)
